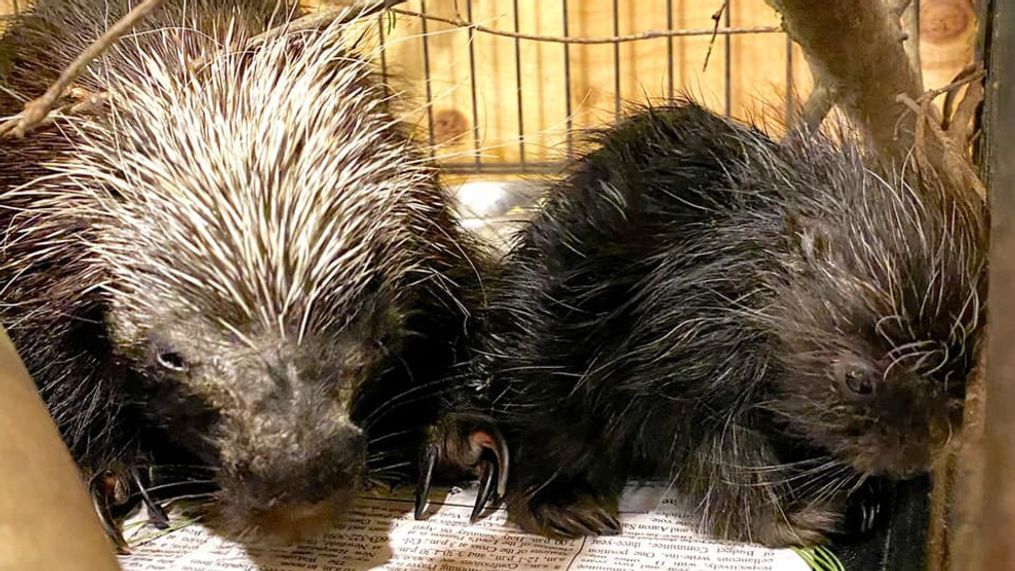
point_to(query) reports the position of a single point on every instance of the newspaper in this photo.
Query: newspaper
(381, 533)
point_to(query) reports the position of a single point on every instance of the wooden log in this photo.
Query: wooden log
(47, 521)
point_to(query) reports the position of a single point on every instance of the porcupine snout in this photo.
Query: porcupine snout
(291, 459)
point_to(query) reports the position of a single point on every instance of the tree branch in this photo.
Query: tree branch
(715, 32)
(876, 85)
(38, 110)
(867, 74)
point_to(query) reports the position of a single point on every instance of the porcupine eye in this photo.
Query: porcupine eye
(171, 361)
(858, 382)
(855, 378)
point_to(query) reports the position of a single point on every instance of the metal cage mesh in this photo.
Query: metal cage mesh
(470, 158)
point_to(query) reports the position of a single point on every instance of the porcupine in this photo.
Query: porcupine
(780, 328)
(240, 264)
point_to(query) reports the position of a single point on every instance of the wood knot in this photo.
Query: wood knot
(944, 20)
(449, 125)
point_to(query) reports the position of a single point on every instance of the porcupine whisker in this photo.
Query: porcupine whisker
(912, 346)
(942, 362)
(819, 461)
(827, 479)
(395, 399)
(822, 495)
(395, 406)
(209, 496)
(390, 467)
(382, 454)
(181, 467)
(382, 438)
(837, 485)
(172, 485)
(247, 532)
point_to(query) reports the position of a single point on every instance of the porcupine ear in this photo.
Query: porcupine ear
(809, 237)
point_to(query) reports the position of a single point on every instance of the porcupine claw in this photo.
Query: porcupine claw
(156, 514)
(429, 460)
(472, 443)
(108, 493)
(486, 487)
(866, 508)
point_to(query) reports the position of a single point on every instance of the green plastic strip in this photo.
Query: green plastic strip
(820, 559)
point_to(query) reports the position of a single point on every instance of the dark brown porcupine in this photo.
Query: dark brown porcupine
(238, 273)
(774, 326)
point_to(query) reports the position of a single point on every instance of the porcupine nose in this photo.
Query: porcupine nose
(293, 486)
(292, 459)
(310, 468)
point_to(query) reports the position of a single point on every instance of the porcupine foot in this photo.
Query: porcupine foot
(804, 528)
(867, 508)
(565, 511)
(852, 517)
(116, 491)
(464, 443)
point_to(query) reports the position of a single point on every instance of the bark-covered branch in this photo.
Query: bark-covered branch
(38, 110)
(855, 49)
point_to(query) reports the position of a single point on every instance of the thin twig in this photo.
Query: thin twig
(82, 105)
(970, 74)
(715, 32)
(958, 167)
(41, 111)
(37, 110)
(344, 14)
(961, 126)
(652, 34)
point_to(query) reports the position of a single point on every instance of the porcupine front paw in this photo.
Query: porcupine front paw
(867, 508)
(561, 512)
(113, 499)
(464, 443)
(116, 491)
(806, 527)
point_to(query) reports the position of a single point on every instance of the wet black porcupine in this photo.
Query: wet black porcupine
(245, 266)
(768, 324)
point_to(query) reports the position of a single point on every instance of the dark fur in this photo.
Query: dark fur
(686, 304)
(113, 401)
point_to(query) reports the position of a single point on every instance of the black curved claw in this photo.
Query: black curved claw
(502, 460)
(486, 488)
(156, 514)
(428, 462)
(465, 443)
(100, 493)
